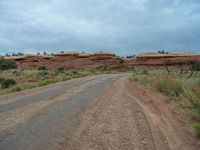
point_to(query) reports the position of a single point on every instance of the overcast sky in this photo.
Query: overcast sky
(119, 26)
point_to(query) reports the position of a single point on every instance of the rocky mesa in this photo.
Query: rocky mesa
(74, 60)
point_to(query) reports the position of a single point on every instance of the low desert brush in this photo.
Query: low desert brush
(166, 84)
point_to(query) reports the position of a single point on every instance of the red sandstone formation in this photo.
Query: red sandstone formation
(94, 61)
(70, 61)
(158, 61)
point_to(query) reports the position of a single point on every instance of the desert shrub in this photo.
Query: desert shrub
(144, 72)
(197, 129)
(74, 72)
(43, 73)
(17, 72)
(1, 79)
(7, 83)
(42, 68)
(5, 64)
(103, 69)
(194, 67)
(193, 96)
(185, 91)
(135, 78)
(196, 113)
(61, 70)
(30, 86)
(44, 83)
(85, 73)
(143, 77)
(16, 88)
(166, 84)
(63, 78)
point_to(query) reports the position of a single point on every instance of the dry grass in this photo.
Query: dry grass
(182, 90)
(28, 79)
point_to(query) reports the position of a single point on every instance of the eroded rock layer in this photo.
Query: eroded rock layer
(95, 61)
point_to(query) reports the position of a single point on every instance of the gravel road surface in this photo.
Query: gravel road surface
(102, 112)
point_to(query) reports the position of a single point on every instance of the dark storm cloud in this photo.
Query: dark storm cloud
(124, 27)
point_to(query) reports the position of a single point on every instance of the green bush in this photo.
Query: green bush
(5, 64)
(145, 72)
(42, 68)
(74, 72)
(43, 73)
(61, 70)
(197, 129)
(7, 83)
(1, 79)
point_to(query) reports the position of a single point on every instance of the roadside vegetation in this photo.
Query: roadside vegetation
(14, 80)
(182, 87)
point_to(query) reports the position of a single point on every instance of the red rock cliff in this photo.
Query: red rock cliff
(94, 61)
(70, 61)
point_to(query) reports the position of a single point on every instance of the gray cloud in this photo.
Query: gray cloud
(123, 27)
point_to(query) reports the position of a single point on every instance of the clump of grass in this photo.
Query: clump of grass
(193, 96)
(185, 91)
(62, 78)
(28, 79)
(16, 88)
(136, 78)
(30, 86)
(166, 84)
(45, 82)
(197, 129)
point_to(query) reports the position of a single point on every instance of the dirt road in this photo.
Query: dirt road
(99, 112)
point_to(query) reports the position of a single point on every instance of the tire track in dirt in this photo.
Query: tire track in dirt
(161, 118)
(107, 113)
(116, 121)
(38, 96)
(47, 130)
(13, 119)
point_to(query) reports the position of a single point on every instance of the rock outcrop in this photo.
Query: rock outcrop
(70, 61)
(97, 60)
(159, 61)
